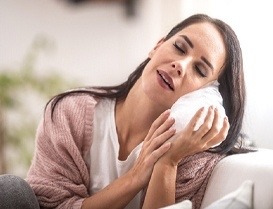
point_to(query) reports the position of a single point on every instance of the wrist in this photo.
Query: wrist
(167, 161)
(166, 165)
(133, 180)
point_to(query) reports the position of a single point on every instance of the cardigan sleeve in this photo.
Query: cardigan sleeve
(58, 174)
(192, 176)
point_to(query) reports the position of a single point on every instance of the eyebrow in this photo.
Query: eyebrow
(186, 38)
(207, 62)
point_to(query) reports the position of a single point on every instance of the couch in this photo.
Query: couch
(242, 181)
(230, 172)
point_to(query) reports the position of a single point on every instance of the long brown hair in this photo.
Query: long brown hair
(232, 84)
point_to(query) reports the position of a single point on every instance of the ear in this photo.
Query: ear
(159, 43)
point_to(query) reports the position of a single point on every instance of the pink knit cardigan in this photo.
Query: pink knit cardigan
(59, 174)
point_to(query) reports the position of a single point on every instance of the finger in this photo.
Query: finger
(216, 126)
(157, 123)
(156, 154)
(195, 119)
(206, 126)
(221, 136)
(164, 127)
(157, 142)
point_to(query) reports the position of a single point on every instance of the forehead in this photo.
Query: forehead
(208, 40)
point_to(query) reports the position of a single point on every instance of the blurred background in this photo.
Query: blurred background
(47, 46)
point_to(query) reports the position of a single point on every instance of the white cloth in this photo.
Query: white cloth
(186, 106)
(105, 166)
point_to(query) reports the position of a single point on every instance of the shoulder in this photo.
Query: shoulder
(75, 101)
(71, 106)
(69, 126)
(71, 118)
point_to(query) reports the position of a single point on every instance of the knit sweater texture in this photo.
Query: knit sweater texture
(59, 174)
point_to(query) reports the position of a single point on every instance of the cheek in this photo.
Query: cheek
(187, 85)
(162, 55)
(147, 83)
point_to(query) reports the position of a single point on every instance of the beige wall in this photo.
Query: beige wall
(97, 45)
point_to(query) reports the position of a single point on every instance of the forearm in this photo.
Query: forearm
(116, 195)
(161, 188)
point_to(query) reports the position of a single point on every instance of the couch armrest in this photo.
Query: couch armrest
(230, 172)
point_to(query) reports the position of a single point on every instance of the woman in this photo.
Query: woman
(107, 147)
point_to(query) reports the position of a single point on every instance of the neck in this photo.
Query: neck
(134, 117)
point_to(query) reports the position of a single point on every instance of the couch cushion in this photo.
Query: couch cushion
(242, 198)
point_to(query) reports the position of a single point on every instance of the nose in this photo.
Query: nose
(180, 66)
(177, 66)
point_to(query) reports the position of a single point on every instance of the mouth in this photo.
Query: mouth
(167, 80)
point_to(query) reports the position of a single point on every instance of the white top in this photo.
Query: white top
(105, 166)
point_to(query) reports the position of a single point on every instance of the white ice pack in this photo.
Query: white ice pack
(186, 106)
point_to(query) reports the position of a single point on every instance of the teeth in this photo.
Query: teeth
(165, 79)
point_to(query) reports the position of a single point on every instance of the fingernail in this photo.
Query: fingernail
(168, 111)
(172, 129)
(171, 118)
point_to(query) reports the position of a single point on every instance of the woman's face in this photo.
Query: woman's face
(186, 62)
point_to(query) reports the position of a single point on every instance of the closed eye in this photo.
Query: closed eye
(200, 72)
(179, 48)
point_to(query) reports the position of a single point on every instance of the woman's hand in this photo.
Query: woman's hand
(153, 148)
(188, 142)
